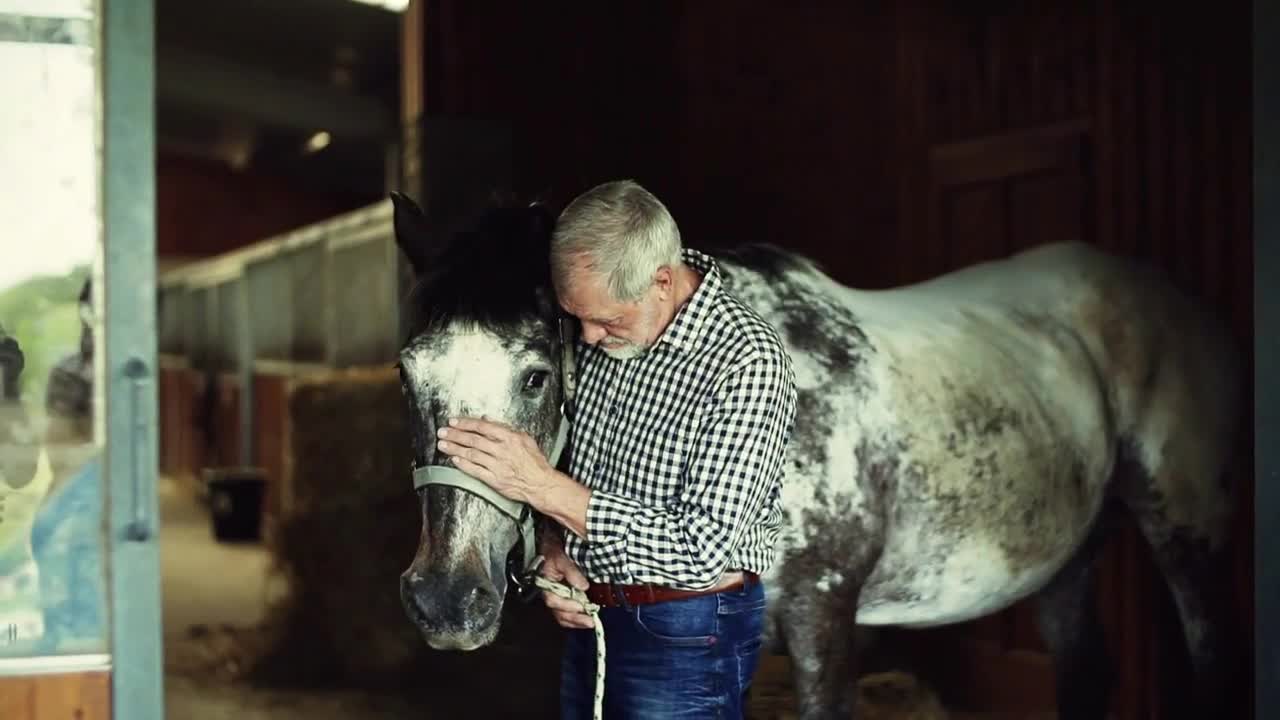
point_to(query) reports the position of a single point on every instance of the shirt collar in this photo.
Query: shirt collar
(686, 328)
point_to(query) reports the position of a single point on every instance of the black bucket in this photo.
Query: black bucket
(235, 502)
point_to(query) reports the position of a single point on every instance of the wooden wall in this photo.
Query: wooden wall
(1129, 129)
(77, 696)
(204, 209)
(894, 141)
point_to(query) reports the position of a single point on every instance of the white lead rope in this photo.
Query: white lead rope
(572, 593)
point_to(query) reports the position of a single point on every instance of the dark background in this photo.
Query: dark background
(1266, 65)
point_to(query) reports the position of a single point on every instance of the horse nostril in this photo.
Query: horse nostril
(479, 603)
(413, 597)
(431, 602)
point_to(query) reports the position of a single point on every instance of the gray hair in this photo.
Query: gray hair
(622, 231)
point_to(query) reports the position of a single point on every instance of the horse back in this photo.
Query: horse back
(970, 423)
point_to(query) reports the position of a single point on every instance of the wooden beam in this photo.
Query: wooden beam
(223, 86)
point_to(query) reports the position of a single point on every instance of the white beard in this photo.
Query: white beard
(624, 351)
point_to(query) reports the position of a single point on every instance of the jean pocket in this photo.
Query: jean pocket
(682, 623)
(749, 599)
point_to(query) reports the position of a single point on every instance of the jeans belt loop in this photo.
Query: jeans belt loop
(620, 594)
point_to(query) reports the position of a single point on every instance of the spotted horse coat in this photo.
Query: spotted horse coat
(958, 440)
(958, 445)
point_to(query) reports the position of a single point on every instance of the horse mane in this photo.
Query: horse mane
(767, 259)
(493, 269)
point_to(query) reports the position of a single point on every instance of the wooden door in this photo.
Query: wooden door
(1106, 122)
(999, 146)
(79, 576)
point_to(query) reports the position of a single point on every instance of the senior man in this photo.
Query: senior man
(671, 505)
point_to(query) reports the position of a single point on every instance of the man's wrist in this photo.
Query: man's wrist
(564, 500)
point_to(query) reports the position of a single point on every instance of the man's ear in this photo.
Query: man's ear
(665, 279)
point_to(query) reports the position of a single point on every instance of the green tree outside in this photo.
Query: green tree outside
(43, 314)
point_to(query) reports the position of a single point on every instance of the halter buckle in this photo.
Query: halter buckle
(523, 581)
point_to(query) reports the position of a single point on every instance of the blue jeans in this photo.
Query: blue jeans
(691, 658)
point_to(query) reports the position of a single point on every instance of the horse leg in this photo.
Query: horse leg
(1187, 539)
(818, 627)
(1067, 618)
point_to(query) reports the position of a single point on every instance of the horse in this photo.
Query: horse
(958, 444)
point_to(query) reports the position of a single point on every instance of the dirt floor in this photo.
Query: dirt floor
(216, 630)
(215, 694)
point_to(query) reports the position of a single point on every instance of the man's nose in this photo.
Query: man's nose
(592, 333)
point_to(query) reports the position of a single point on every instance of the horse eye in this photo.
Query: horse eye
(535, 380)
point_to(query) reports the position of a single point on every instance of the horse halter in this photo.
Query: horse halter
(520, 513)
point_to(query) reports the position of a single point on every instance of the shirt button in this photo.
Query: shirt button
(613, 409)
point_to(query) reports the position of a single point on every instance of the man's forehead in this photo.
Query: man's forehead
(585, 292)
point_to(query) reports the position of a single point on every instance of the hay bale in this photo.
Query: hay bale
(890, 695)
(220, 654)
(897, 696)
(351, 528)
(349, 439)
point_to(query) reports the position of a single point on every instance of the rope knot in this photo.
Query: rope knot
(572, 593)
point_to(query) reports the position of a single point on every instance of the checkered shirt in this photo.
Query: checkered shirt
(683, 447)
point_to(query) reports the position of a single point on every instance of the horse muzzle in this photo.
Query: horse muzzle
(453, 612)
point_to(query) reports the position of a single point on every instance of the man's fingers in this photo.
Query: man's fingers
(574, 620)
(465, 439)
(559, 604)
(565, 570)
(486, 428)
(567, 612)
(473, 469)
(552, 571)
(572, 575)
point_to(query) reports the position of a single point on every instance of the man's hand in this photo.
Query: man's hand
(510, 462)
(558, 567)
(506, 459)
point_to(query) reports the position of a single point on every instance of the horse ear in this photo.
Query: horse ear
(540, 224)
(545, 298)
(411, 231)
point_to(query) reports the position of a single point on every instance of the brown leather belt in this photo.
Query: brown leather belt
(608, 594)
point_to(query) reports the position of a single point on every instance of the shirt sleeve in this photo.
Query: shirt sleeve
(735, 467)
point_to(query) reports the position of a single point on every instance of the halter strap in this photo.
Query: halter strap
(520, 513)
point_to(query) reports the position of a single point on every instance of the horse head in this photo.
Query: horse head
(483, 339)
